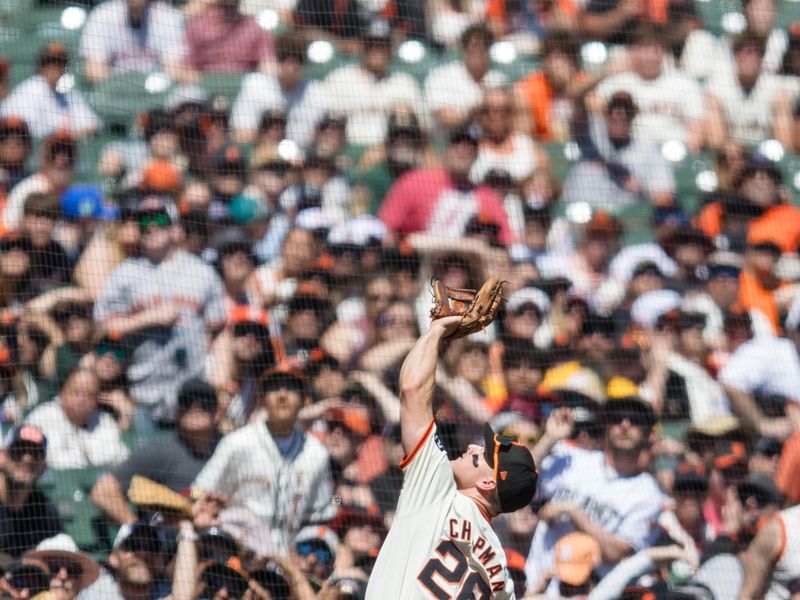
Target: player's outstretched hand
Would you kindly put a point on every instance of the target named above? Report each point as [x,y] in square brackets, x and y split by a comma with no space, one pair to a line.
[449,325]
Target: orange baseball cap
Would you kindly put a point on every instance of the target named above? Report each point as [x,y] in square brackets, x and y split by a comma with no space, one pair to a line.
[161,176]
[577,554]
[357,421]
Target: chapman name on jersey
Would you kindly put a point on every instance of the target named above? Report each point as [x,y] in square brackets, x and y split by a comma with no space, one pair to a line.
[441,545]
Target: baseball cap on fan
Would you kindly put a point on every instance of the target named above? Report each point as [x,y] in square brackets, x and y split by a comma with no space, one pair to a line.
[514,470]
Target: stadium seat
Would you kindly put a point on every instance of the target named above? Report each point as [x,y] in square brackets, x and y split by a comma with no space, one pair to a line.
[69,490]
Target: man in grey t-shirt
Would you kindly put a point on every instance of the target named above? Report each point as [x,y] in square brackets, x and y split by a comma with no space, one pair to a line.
[165,304]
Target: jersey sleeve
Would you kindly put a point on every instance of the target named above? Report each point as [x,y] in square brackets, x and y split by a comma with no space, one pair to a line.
[640,526]
[427,475]
[215,476]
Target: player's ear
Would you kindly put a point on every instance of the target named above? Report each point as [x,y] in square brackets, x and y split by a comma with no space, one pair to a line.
[486,485]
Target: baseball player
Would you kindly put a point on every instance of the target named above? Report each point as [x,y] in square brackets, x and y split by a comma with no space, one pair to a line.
[441,544]
[772,561]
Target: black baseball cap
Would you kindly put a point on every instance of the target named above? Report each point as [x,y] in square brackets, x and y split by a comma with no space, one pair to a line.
[637,410]
[514,470]
[197,393]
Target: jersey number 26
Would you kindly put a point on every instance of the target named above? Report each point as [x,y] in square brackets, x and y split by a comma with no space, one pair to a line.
[471,585]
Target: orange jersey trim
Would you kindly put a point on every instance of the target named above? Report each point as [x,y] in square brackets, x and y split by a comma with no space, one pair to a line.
[782,525]
[410,456]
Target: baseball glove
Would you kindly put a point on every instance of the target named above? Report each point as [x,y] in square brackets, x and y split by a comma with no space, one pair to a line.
[477,309]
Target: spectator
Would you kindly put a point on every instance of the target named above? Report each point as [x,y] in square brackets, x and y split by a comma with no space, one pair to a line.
[747,104]
[47,262]
[139,36]
[28,517]
[773,367]
[56,169]
[618,513]
[315,551]
[612,21]
[405,149]
[135,565]
[15,147]
[166,302]
[442,200]
[45,105]
[172,461]
[670,103]
[542,105]
[455,89]
[223,40]
[366,92]
[617,166]
[78,433]
[500,149]
[71,571]
[273,456]
[301,99]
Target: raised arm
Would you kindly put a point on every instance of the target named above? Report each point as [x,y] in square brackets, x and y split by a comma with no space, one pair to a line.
[418,381]
[759,560]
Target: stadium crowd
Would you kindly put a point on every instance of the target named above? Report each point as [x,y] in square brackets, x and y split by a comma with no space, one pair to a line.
[200,342]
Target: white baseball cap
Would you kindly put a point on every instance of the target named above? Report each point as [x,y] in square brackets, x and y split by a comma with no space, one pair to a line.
[648,307]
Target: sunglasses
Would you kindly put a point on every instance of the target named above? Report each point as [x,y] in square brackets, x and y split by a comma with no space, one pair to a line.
[18,452]
[159,220]
[378,298]
[117,353]
[635,418]
[322,553]
[528,440]
[74,570]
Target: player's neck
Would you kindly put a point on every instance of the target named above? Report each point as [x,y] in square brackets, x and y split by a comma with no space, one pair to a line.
[625,463]
[483,506]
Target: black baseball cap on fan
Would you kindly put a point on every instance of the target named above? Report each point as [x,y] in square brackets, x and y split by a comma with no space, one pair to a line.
[514,470]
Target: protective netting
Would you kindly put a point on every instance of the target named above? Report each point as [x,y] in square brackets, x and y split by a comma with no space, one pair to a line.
[219,223]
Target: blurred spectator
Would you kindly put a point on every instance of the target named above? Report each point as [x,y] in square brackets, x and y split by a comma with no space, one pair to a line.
[133,162]
[453,90]
[109,246]
[314,551]
[405,149]
[543,106]
[15,147]
[691,47]
[172,461]
[223,40]
[301,99]
[366,92]
[617,168]
[271,467]
[166,302]
[48,106]
[613,21]
[78,433]
[773,367]
[745,103]
[45,262]
[323,19]
[139,36]
[670,104]
[762,19]
[56,168]
[26,515]
[449,20]
[500,148]
[617,506]
[71,571]
[442,200]
[530,22]
[135,565]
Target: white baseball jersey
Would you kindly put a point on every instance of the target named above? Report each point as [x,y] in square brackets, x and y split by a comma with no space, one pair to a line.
[441,545]
[749,115]
[628,507]
[667,104]
[285,492]
[787,567]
